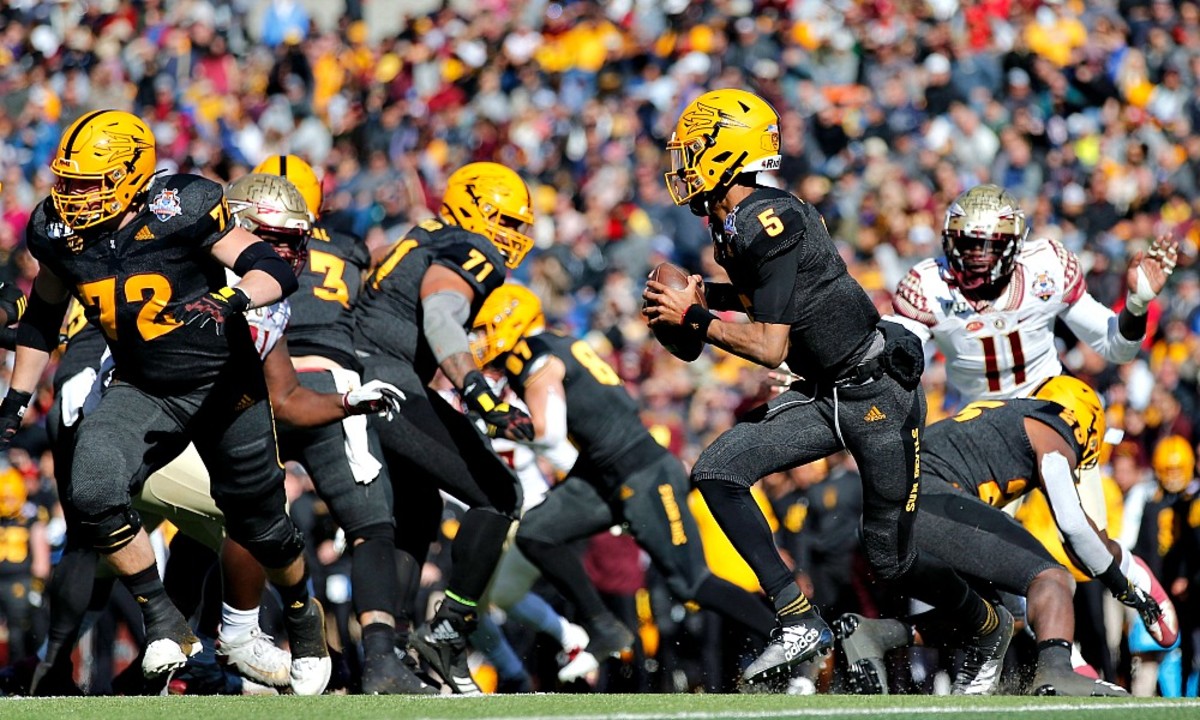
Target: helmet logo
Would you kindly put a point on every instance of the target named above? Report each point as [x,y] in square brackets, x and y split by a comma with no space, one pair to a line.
[166,205]
[1043,287]
[707,117]
[116,145]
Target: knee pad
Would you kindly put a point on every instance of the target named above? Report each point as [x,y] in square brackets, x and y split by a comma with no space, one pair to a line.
[111,531]
[274,543]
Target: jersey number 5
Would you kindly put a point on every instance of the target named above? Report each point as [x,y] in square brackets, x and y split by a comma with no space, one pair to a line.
[770,222]
[102,295]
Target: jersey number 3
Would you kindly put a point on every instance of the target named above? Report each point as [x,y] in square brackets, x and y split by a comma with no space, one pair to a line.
[150,288]
[333,287]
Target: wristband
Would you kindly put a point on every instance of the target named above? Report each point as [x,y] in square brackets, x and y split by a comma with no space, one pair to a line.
[477,394]
[696,321]
[1114,579]
[14,403]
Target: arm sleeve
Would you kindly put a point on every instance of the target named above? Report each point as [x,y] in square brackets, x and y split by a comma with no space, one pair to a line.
[722,296]
[446,314]
[774,297]
[1097,326]
[1072,521]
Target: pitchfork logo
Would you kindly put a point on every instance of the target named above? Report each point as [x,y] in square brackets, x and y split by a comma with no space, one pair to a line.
[707,117]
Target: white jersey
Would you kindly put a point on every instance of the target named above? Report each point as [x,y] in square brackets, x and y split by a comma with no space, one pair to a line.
[1004,348]
[268,323]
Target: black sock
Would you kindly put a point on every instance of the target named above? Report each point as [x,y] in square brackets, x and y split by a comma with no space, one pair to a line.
[1055,652]
[378,639]
[70,592]
[147,589]
[736,604]
[560,564]
[476,550]
[744,524]
[792,606]
[295,597]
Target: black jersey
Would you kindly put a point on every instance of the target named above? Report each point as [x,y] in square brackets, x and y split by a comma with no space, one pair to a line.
[985,450]
[329,287]
[83,347]
[388,317]
[602,419]
[785,267]
[15,531]
[130,280]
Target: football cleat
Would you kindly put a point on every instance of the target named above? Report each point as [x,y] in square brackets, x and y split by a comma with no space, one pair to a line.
[311,667]
[443,644]
[865,642]
[983,658]
[1068,683]
[575,660]
[790,645]
[254,655]
[608,637]
[169,644]
[388,675]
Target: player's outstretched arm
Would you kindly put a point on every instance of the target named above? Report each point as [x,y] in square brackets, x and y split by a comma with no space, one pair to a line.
[266,278]
[37,336]
[298,406]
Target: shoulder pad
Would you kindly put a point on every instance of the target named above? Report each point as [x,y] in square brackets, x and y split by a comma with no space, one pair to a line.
[910,300]
[767,223]
[183,201]
[453,245]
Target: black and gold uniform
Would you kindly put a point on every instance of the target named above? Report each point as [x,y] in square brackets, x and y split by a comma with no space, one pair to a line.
[430,445]
[173,382]
[329,287]
[18,516]
[622,475]
[973,464]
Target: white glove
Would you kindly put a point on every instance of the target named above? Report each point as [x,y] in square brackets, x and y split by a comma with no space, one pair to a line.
[375,396]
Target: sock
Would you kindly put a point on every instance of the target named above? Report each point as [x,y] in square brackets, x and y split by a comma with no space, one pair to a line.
[476,550]
[737,605]
[295,598]
[147,589]
[792,606]
[69,591]
[235,623]
[489,640]
[1055,653]
[534,612]
[378,639]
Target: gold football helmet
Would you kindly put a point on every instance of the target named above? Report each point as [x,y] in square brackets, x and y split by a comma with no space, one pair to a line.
[1082,410]
[298,173]
[984,231]
[103,161]
[720,135]
[491,200]
[509,314]
[12,492]
[1174,463]
[273,209]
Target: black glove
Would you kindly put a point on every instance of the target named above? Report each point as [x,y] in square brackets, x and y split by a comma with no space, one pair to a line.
[503,420]
[1146,606]
[12,302]
[215,307]
[12,409]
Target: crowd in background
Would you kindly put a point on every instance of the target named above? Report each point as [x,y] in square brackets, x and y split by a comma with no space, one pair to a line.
[889,108]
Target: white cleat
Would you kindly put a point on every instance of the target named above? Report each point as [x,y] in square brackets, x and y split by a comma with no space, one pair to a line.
[576,660]
[310,675]
[254,655]
[165,655]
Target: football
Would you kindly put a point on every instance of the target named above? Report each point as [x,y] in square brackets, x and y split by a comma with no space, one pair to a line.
[672,338]
[1166,631]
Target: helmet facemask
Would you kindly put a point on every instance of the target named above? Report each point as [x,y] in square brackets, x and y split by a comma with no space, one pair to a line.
[274,210]
[984,232]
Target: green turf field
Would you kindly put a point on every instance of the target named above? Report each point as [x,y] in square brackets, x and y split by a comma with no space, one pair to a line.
[582,707]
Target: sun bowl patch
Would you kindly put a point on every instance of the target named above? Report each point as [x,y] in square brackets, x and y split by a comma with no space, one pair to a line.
[1043,287]
[165,205]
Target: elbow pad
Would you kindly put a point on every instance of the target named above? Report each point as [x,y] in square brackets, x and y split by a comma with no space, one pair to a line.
[39,326]
[262,257]
[446,314]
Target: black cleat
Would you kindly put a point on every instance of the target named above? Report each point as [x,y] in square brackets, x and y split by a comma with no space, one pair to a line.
[790,645]
[387,675]
[983,658]
[1068,683]
[608,637]
[443,644]
[865,642]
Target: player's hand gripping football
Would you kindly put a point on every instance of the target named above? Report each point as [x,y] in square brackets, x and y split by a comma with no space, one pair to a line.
[1134,597]
[1148,272]
[214,309]
[375,396]
[502,420]
[666,305]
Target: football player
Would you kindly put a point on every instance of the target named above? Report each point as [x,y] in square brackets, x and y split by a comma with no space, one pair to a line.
[995,452]
[146,255]
[861,390]
[411,320]
[343,459]
[24,559]
[622,474]
[989,304]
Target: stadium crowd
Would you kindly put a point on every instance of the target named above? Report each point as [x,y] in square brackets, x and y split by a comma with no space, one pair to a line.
[1087,112]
